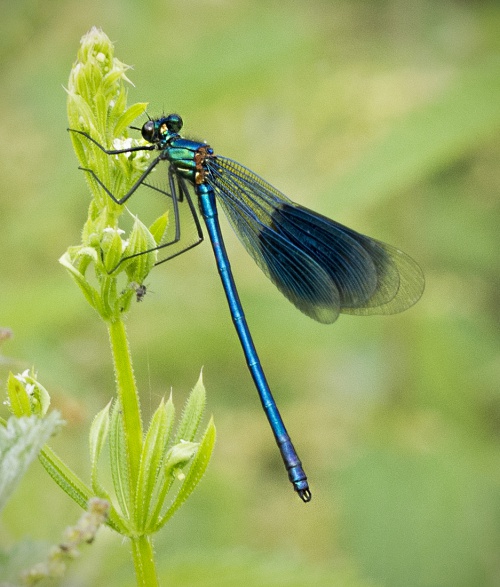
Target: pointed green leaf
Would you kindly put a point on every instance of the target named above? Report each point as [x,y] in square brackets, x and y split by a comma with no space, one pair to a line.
[97,439]
[19,401]
[89,292]
[140,240]
[152,454]
[40,398]
[192,414]
[194,475]
[113,249]
[159,227]
[118,460]
[25,386]
[128,117]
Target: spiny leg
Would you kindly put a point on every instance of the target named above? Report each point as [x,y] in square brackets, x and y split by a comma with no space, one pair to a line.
[112,151]
[177,195]
[132,190]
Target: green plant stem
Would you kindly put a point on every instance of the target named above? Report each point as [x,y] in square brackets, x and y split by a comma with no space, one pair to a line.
[142,551]
[142,548]
[129,400]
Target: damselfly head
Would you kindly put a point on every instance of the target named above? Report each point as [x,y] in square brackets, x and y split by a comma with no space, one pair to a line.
[174,123]
[161,129]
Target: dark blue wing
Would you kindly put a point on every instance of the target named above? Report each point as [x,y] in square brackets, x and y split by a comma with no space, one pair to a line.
[321,266]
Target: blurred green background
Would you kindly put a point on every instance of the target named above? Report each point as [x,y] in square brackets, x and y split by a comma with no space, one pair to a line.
[382,115]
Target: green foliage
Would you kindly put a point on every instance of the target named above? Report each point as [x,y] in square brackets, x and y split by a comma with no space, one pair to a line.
[164,458]
[26,395]
[97,105]
[144,468]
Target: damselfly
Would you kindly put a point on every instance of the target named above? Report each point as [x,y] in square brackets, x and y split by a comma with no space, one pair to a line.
[322,267]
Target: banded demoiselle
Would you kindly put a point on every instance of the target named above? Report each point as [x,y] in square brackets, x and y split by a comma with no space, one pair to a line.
[321,266]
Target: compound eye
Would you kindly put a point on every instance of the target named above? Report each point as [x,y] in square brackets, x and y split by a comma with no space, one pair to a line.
[148,131]
[174,123]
